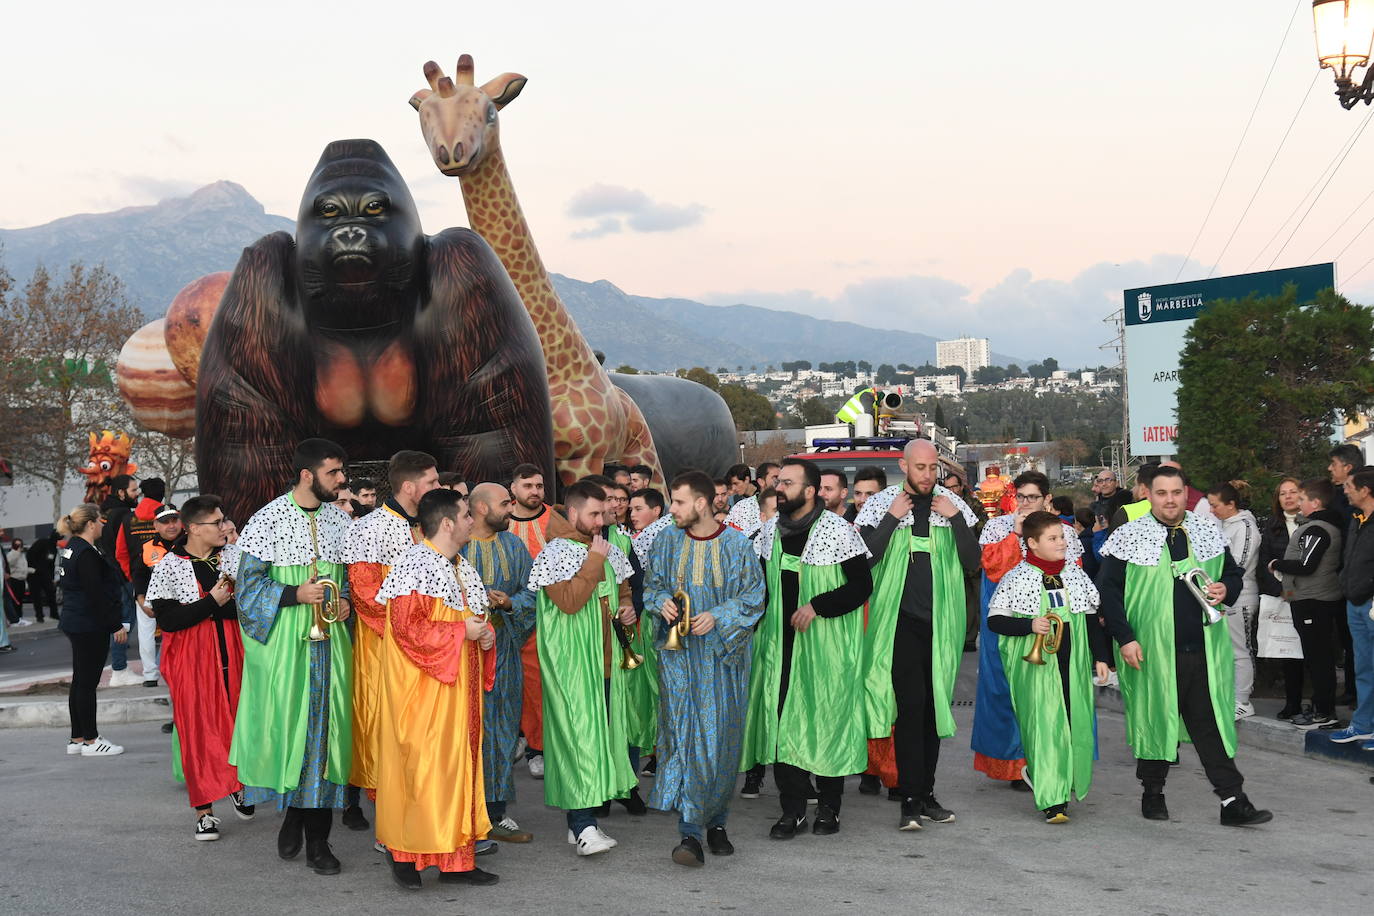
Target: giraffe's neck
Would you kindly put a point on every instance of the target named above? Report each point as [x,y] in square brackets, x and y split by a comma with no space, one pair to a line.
[494,213]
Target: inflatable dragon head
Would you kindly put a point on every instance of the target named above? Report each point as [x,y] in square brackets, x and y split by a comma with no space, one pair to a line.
[108,459]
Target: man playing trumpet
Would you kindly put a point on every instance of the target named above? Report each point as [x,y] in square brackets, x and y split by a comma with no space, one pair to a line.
[293,732]
[1049,673]
[704,685]
[1177,674]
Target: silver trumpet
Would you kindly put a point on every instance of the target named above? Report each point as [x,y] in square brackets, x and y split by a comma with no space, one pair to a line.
[1197,581]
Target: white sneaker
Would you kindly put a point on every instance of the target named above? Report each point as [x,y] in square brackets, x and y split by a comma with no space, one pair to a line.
[100,748]
[1244,710]
[22,622]
[611,840]
[591,841]
[379,846]
[74,747]
[125,677]
[536,765]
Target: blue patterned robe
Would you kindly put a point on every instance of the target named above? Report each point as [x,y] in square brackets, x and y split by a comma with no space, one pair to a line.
[504,563]
[704,688]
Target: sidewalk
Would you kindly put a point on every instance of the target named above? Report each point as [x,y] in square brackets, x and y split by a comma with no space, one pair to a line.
[42,701]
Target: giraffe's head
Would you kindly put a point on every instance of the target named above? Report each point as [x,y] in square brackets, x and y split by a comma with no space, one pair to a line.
[458,119]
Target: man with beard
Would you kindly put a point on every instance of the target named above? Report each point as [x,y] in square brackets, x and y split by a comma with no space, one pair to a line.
[721,504]
[705,684]
[583,583]
[370,547]
[805,702]
[504,565]
[436,661]
[1176,673]
[921,537]
[293,738]
[535,524]
[202,659]
[834,492]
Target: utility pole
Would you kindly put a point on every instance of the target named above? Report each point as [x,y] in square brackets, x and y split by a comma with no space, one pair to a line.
[1116,321]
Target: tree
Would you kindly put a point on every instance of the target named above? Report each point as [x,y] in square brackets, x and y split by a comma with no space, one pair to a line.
[886,375]
[1051,364]
[62,341]
[1014,371]
[939,415]
[814,412]
[1071,451]
[1038,371]
[701,377]
[625,369]
[865,366]
[749,409]
[989,375]
[903,367]
[1262,381]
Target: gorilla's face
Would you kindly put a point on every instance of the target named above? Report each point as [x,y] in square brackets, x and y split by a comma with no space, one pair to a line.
[359,250]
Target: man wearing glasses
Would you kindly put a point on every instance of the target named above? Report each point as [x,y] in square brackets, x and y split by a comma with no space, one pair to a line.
[1109,495]
[202,659]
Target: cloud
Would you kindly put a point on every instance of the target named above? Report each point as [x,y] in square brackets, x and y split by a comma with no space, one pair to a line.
[152,187]
[1021,314]
[616,208]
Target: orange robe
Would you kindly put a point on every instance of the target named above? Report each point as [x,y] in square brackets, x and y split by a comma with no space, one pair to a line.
[431,802]
[535,533]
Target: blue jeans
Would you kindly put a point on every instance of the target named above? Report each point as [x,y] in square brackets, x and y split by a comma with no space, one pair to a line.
[1362,640]
[696,830]
[4,632]
[579,819]
[119,651]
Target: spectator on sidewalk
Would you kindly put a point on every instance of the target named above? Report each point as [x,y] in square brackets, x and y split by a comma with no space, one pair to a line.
[1357,583]
[13,612]
[167,535]
[1310,571]
[1275,534]
[1230,503]
[135,530]
[1345,460]
[5,645]
[18,580]
[92,599]
[42,557]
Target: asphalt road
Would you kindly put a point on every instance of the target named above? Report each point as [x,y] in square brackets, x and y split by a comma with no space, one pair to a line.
[115,836]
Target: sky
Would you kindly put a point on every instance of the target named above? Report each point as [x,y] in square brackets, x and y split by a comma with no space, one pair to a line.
[1001,169]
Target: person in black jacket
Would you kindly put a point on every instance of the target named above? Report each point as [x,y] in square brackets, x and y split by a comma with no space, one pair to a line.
[1357,582]
[42,557]
[1275,532]
[91,611]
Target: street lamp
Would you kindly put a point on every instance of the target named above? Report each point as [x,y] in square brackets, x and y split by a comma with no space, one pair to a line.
[1345,36]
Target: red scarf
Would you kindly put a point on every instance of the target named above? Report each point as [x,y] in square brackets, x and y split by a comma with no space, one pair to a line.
[1048,567]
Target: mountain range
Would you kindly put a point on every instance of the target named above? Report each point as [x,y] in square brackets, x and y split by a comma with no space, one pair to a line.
[158,249]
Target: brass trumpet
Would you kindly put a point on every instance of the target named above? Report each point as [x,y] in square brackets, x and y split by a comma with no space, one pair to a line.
[1197,581]
[629,658]
[326,611]
[1046,643]
[678,632]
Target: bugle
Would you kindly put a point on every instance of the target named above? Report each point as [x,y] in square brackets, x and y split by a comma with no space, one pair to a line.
[326,611]
[1197,581]
[1046,643]
[678,631]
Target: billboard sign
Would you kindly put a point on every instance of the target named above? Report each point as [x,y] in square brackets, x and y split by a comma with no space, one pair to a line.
[1158,317]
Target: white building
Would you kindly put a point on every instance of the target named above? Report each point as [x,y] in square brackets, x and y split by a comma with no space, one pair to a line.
[972,353]
[936,384]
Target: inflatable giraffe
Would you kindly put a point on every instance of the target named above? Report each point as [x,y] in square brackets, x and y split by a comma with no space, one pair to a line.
[593,420]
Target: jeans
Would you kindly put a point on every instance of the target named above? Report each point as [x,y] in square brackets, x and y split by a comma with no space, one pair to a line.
[698,831]
[4,633]
[119,652]
[579,819]
[1362,643]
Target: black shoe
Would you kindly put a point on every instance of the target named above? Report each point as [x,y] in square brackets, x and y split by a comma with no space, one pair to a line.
[245,812]
[688,852]
[1240,813]
[895,794]
[1152,807]
[650,767]
[911,815]
[633,803]
[1288,712]
[1019,785]
[321,858]
[932,810]
[1057,814]
[406,875]
[291,836]
[826,823]
[718,842]
[166,728]
[869,784]
[6,648]
[207,827]
[752,784]
[354,819]
[476,877]
[787,827]
[970,647]
[152,683]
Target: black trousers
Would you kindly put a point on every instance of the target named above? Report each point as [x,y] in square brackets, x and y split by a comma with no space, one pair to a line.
[794,785]
[89,651]
[1315,622]
[1195,707]
[915,743]
[44,594]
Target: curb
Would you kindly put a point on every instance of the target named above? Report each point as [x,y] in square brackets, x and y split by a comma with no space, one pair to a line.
[1272,735]
[54,713]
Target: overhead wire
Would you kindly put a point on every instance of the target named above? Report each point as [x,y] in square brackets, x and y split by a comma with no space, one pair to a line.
[1283,140]
[1241,142]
